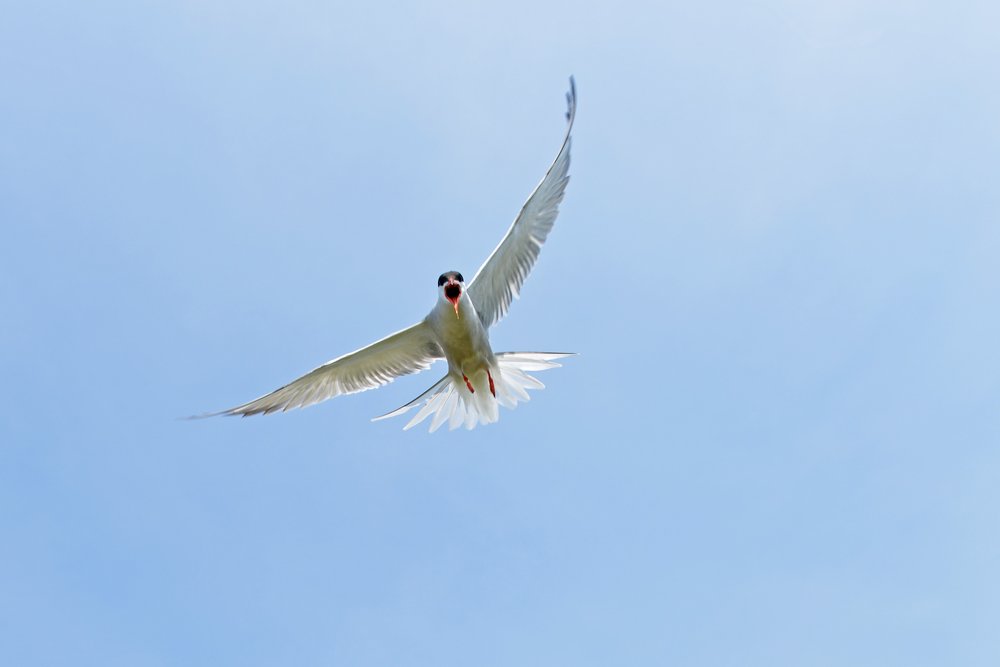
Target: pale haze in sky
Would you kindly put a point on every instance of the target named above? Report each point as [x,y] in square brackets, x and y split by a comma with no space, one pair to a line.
[777,259]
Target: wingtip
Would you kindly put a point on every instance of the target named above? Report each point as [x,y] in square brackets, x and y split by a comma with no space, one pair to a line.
[232,412]
[571,99]
[204,415]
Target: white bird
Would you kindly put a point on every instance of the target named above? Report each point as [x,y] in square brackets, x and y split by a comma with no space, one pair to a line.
[478,380]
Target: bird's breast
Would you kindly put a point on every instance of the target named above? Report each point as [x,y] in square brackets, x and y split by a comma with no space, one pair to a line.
[463,338]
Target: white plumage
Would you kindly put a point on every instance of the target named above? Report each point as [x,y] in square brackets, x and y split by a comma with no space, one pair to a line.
[478,380]
[448,401]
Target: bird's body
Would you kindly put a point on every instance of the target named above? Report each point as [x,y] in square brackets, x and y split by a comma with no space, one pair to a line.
[465,344]
[478,380]
[464,340]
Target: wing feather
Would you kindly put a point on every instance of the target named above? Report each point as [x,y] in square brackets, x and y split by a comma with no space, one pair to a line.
[499,279]
[408,351]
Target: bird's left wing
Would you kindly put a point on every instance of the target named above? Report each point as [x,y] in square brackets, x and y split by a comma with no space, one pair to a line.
[500,277]
[408,351]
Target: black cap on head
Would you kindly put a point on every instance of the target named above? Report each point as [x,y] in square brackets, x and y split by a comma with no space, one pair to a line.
[450,275]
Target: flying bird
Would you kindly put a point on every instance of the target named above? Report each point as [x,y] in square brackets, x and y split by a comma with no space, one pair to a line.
[478,380]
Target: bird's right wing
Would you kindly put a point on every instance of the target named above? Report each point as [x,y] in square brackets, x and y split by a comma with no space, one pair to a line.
[408,351]
[500,277]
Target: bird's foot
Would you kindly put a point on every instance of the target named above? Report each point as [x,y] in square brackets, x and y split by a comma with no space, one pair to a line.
[493,389]
[469,384]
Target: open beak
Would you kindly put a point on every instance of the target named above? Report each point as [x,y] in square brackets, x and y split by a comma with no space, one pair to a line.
[453,292]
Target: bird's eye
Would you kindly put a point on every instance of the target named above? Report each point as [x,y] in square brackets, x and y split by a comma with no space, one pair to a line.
[459,278]
[442,280]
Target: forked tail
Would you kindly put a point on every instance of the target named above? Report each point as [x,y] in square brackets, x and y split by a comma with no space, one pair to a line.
[451,400]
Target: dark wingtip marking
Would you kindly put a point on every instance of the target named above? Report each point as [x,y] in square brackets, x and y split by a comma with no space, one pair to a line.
[571,98]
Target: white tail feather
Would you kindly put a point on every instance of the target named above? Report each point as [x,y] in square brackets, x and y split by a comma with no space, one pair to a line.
[450,400]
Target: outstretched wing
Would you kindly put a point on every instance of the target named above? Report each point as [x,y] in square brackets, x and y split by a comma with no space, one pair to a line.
[408,351]
[499,279]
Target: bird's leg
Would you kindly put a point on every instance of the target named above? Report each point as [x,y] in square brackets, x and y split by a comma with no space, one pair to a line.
[493,389]
[469,384]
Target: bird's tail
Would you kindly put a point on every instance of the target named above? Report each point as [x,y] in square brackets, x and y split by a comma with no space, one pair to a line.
[450,399]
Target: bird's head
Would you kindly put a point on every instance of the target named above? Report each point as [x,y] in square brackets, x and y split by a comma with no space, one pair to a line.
[452,286]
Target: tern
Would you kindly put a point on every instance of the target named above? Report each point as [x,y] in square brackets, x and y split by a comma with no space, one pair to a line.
[478,380]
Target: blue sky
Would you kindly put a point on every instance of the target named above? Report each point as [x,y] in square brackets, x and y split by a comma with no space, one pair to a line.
[777,257]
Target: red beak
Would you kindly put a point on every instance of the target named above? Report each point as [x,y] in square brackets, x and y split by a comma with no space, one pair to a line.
[453,292]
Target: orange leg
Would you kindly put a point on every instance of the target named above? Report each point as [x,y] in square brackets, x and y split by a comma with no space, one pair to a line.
[469,384]
[493,390]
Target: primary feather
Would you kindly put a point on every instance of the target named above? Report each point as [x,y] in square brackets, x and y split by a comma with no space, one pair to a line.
[408,351]
[501,276]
